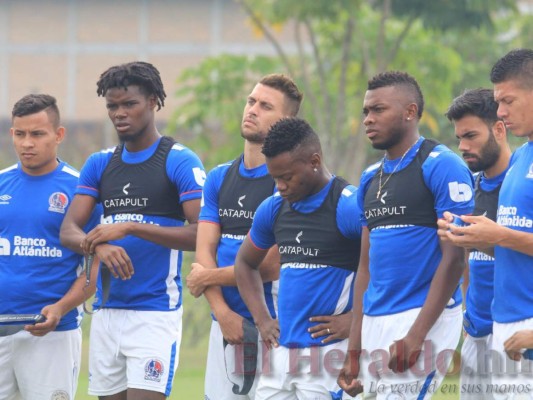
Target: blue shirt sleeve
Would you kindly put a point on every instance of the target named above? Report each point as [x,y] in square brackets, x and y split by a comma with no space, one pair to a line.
[349,213]
[364,182]
[186,171]
[91,173]
[262,230]
[213,183]
[450,181]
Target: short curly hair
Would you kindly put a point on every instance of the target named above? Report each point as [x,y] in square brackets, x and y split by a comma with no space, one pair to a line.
[288,134]
[138,73]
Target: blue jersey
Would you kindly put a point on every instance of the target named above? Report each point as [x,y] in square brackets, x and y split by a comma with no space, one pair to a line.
[307,290]
[513,271]
[35,269]
[403,258]
[480,292]
[156,283]
[229,245]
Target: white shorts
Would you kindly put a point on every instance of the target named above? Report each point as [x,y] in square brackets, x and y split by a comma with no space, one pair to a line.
[40,368]
[305,374]
[510,379]
[476,361]
[225,368]
[133,349]
[422,379]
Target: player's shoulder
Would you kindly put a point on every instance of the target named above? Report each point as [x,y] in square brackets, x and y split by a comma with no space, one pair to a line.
[349,191]
[68,170]
[441,152]
[221,169]
[9,170]
[179,150]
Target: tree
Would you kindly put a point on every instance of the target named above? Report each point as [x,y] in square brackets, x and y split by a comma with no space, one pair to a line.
[340,45]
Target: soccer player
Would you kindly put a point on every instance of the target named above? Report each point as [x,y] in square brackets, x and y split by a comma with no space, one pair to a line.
[483,144]
[510,239]
[149,186]
[407,298]
[312,221]
[231,195]
[37,274]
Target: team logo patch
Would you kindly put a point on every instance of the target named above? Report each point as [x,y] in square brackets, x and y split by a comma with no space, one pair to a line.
[530,173]
[58,202]
[4,199]
[153,370]
[60,395]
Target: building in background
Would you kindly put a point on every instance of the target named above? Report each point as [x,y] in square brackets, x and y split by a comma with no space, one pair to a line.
[61,47]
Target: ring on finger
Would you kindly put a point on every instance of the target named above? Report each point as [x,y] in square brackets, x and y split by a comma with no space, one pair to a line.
[329,331]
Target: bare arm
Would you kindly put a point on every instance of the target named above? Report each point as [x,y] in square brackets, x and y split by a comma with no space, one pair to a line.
[205,259]
[250,286]
[79,212]
[350,371]
[180,238]
[483,234]
[202,277]
[403,352]
[75,296]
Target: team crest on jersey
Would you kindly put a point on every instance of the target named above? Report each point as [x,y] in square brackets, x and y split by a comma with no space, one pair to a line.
[58,202]
[530,173]
[60,395]
[153,370]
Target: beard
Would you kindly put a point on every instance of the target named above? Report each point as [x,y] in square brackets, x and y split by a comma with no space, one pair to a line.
[488,155]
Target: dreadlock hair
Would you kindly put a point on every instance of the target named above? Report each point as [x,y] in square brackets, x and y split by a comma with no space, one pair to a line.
[34,103]
[477,102]
[287,135]
[517,64]
[285,85]
[397,78]
[138,73]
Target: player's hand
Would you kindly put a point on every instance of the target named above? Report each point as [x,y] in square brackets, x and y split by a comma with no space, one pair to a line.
[347,379]
[231,326]
[53,314]
[481,233]
[269,330]
[443,225]
[104,233]
[195,279]
[404,353]
[516,343]
[333,327]
[116,260]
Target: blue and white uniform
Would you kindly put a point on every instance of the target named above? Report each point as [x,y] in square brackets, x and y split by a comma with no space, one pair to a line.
[405,253]
[512,308]
[36,271]
[146,187]
[477,321]
[308,289]
[229,200]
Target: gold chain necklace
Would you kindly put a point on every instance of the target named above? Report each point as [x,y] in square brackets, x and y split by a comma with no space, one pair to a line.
[380,186]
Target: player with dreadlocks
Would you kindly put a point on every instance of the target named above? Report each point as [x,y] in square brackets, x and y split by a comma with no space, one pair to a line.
[149,186]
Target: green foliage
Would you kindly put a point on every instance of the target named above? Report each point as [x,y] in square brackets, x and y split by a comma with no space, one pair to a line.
[462,15]
[214,94]
[339,46]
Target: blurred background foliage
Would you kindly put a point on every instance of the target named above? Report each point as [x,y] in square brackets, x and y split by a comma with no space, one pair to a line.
[448,46]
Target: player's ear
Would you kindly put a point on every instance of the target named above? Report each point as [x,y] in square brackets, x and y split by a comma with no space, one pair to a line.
[60,134]
[499,130]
